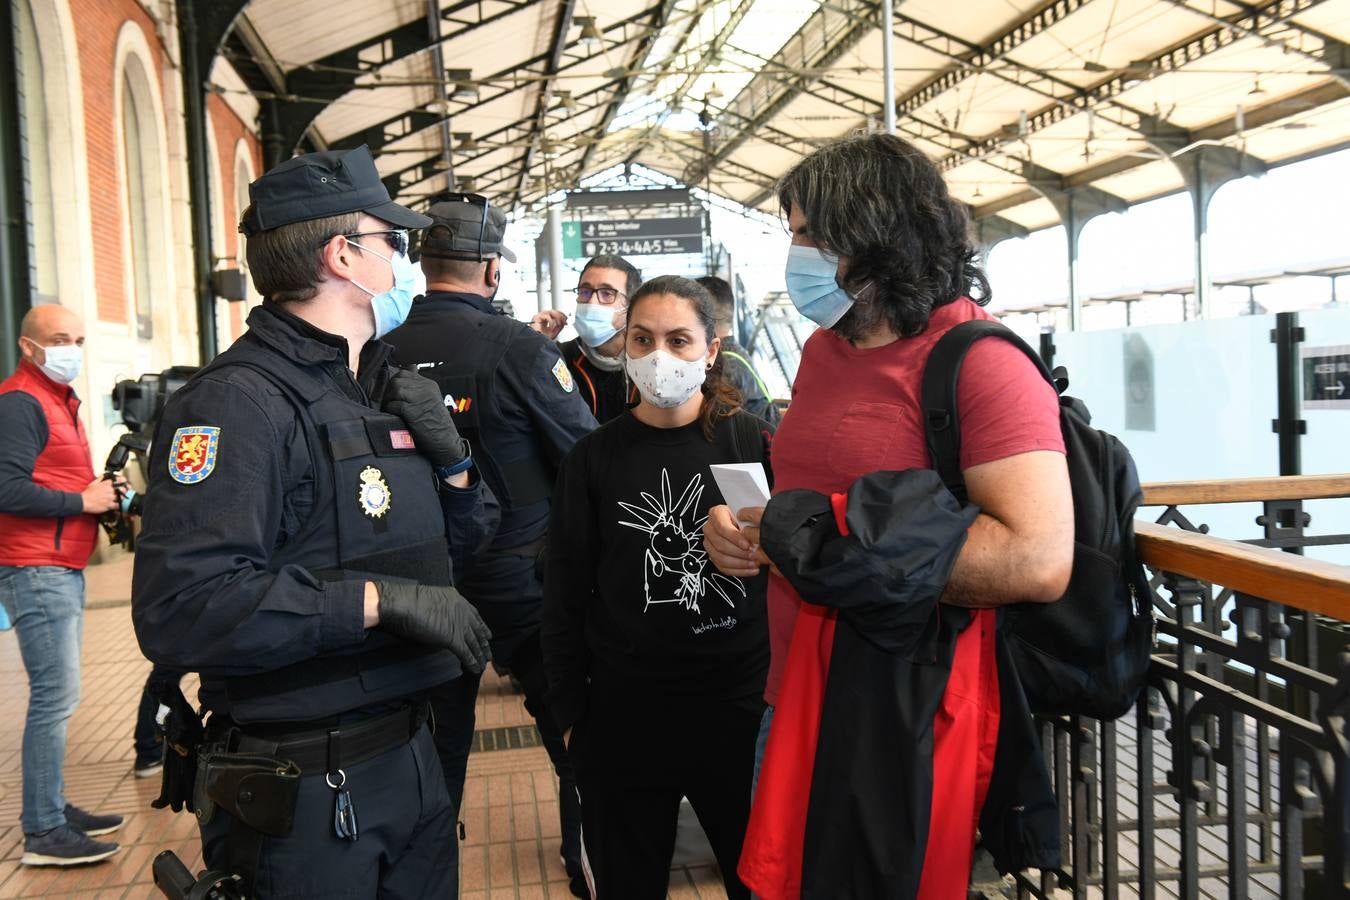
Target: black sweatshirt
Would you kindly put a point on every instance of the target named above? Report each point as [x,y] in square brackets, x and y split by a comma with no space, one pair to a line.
[631,599]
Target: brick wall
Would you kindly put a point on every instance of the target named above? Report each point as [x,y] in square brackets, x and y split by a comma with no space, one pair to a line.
[97,24]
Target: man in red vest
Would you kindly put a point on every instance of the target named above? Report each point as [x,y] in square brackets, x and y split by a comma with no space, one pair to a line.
[49,507]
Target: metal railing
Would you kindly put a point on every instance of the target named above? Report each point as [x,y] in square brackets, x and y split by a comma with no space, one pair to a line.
[1229,778]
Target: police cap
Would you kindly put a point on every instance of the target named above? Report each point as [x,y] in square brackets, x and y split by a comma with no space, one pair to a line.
[318,185]
[465,226]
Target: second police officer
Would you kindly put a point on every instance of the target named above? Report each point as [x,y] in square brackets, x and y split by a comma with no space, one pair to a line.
[514,399]
[304,504]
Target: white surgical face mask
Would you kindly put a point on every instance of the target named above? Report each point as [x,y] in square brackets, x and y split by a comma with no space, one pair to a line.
[64,362]
[664,380]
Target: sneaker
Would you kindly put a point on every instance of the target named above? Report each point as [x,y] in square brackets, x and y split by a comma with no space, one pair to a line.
[91,824]
[64,846]
[148,768]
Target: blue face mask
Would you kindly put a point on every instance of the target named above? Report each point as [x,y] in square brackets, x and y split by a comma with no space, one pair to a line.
[391,307]
[812,286]
[595,323]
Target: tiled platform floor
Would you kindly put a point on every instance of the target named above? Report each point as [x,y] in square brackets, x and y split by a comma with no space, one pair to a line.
[510,813]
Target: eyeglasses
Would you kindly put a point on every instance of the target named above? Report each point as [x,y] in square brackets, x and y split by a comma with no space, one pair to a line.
[396,238]
[604,295]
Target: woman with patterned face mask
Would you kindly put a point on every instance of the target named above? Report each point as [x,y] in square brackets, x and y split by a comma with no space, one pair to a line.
[654,658]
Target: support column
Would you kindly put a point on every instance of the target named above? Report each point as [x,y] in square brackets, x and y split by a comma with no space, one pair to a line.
[16,276]
[887,63]
[555,256]
[199,185]
[992,229]
[1205,170]
[1076,207]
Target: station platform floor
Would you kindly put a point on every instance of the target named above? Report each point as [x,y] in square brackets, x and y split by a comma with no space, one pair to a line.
[510,802]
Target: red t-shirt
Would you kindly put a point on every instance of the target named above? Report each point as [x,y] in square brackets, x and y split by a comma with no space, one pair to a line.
[859,411]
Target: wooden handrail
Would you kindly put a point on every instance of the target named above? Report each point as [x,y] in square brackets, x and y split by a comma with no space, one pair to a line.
[1246,490]
[1308,584]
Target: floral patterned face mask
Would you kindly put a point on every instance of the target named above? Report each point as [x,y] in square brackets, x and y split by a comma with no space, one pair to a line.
[664,380]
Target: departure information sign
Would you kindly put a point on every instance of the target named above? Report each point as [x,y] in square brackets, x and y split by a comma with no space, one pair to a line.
[632,237]
[1326,377]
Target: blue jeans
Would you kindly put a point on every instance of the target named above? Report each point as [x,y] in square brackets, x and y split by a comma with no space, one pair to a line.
[46,605]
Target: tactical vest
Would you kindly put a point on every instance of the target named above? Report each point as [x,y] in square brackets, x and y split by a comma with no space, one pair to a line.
[470,347]
[376,515]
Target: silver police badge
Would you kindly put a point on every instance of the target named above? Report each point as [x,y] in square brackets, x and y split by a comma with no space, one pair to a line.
[374,493]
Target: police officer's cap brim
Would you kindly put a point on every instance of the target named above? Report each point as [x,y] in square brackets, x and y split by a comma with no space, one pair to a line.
[399,216]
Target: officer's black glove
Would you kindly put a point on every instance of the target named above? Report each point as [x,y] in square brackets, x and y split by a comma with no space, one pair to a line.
[439,616]
[418,402]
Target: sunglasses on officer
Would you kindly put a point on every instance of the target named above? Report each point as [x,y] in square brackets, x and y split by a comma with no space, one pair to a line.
[397,238]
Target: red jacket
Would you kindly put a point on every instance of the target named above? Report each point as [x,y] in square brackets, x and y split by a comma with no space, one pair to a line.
[63,465]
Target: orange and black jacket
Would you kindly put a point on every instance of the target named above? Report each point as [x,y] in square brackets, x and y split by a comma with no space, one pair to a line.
[607,394]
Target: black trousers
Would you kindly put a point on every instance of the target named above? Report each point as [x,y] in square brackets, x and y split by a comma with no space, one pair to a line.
[406,828]
[636,757]
[507,592]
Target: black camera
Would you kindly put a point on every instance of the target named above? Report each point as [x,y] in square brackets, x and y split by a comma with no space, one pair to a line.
[141,402]
[117,522]
[175,881]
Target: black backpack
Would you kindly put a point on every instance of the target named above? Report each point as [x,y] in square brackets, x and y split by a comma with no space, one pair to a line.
[1087,653]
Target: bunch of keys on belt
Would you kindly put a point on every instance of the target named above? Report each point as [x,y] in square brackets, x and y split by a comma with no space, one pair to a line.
[344,811]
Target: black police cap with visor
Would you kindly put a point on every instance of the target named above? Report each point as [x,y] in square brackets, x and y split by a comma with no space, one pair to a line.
[318,185]
[465,226]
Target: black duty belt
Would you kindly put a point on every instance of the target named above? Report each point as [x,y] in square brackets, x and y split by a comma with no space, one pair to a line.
[310,749]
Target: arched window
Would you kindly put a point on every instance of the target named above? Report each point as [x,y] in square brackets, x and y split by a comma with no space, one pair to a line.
[38,163]
[135,124]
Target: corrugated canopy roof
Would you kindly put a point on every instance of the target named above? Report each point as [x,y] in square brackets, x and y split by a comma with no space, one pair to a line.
[1017,100]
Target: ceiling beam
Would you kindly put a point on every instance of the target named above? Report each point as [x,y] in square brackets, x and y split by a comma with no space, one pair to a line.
[311,87]
[564,25]
[830,32]
[1173,59]
[404,124]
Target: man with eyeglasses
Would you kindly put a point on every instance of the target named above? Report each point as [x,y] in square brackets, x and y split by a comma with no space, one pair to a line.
[595,356]
[306,499]
[511,396]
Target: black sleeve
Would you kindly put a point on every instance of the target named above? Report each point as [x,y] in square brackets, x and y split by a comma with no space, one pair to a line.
[472,515]
[557,410]
[203,598]
[905,530]
[569,586]
[21,441]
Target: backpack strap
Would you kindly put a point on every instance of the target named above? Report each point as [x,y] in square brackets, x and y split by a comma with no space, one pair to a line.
[942,423]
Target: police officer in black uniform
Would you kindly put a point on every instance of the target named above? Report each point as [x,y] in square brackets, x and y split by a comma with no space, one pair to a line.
[514,399]
[595,356]
[305,500]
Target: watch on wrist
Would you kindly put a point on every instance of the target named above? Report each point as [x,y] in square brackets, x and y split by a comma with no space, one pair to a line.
[450,471]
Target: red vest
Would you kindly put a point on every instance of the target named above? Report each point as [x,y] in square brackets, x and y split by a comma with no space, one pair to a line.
[63,465]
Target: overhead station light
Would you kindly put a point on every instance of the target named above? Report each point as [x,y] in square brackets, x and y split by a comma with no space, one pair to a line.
[590,34]
[467,185]
[461,83]
[566,101]
[464,140]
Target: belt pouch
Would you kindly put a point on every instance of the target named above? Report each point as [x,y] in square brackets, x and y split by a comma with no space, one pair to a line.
[260,791]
